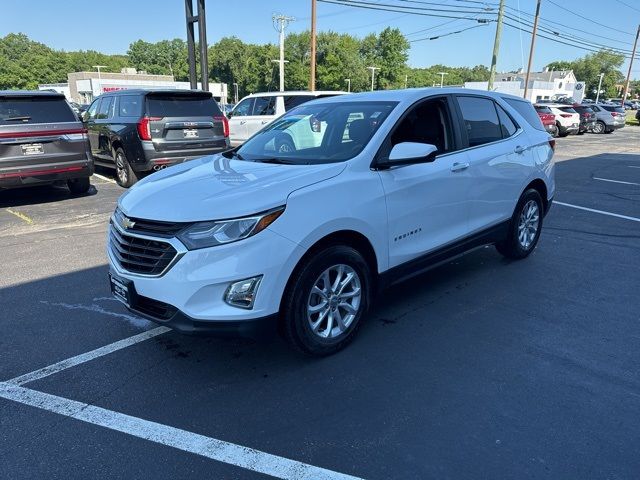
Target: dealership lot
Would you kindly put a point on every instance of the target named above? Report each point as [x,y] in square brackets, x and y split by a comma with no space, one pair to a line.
[481,368]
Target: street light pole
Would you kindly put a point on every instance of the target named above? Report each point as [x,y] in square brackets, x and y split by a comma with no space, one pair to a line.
[282,21]
[348,80]
[312,79]
[235,88]
[373,76]
[98,67]
[599,86]
[442,74]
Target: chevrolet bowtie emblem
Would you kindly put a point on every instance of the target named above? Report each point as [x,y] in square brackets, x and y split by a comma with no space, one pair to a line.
[127,223]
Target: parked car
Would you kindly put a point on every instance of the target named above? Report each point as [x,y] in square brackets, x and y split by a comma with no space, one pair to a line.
[304,239]
[567,119]
[42,142]
[608,118]
[587,118]
[638,115]
[141,131]
[548,119]
[255,111]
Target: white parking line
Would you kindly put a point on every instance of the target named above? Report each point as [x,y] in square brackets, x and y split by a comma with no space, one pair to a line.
[633,166]
[615,181]
[110,180]
[85,357]
[133,319]
[183,440]
[602,212]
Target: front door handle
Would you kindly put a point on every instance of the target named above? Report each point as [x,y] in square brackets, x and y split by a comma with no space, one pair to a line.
[458,167]
[264,122]
[242,122]
[519,150]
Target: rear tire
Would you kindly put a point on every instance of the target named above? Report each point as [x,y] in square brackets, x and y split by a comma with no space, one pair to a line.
[79,186]
[524,228]
[561,133]
[125,176]
[309,296]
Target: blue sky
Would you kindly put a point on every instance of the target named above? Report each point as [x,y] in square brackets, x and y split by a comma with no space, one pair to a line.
[110,26]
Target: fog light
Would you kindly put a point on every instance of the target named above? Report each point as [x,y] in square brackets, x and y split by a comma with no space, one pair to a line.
[242,294]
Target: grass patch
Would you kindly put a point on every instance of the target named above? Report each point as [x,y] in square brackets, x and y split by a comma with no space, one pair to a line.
[631,117]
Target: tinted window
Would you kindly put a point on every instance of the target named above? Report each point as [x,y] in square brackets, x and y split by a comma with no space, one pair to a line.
[611,108]
[480,119]
[182,106]
[92,112]
[130,106]
[264,106]
[20,110]
[105,106]
[528,113]
[506,124]
[294,100]
[567,109]
[542,109]
[244,108]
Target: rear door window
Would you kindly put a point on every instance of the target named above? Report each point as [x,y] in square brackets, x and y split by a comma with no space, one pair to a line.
[525,109]
[293,101]
[130,106]
[182,106]
[264,106]
[24,110]
[480,120]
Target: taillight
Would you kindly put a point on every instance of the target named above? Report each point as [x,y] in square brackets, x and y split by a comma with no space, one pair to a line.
[614,114]
[144,127]
[225,124]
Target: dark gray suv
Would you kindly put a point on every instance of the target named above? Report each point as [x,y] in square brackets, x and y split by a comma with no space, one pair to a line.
[42,142]
[141,131]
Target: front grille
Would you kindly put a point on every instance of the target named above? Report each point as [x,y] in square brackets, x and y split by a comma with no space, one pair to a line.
[152,228]
[139,255]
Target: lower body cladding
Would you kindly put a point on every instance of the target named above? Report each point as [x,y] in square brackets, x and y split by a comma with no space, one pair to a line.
[191,296]
[44,174]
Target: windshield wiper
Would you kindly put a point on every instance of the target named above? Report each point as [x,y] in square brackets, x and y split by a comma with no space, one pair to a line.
[280,161]
[24,118]
[233,155]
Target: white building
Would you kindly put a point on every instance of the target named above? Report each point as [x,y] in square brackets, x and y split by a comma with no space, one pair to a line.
[546,85]
[83,87]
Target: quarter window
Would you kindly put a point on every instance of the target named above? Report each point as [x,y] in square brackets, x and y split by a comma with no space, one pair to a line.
[480,120]
[525,109]
[93,110]
[294,100]
[507,125]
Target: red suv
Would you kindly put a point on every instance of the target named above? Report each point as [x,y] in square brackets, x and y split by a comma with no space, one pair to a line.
[548,119]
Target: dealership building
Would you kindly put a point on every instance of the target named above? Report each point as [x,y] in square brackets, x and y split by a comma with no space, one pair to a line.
[545,85]
[83,87]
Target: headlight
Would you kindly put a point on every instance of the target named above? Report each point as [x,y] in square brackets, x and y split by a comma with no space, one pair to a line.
[210,234]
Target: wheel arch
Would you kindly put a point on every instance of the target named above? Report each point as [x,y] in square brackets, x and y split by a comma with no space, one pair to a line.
[540,186]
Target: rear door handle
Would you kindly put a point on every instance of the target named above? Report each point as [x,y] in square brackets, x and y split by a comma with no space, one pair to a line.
[264,122]
[519,150]
[458,167]
[242,122]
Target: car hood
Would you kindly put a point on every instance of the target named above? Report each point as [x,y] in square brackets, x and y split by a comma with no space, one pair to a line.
[215,187]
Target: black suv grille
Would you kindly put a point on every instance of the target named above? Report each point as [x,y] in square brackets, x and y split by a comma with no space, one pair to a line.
[138,255]
[152,228]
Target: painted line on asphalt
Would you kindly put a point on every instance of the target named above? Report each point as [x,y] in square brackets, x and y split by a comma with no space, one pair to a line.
[633,166]
[219,450]
[602,212]
[133,319]
[615,181]
[21,216]
[86,357]
[102,177]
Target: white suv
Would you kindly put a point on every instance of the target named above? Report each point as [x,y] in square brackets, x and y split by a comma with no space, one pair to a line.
[567,119]
[304,239]
[257,110]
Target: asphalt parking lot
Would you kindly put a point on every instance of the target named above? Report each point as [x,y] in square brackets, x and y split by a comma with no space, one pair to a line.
[482,368]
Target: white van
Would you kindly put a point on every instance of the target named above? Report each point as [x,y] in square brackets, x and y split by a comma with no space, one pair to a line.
[255,111]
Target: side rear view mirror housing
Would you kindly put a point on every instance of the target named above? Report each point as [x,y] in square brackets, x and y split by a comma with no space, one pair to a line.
[409,153]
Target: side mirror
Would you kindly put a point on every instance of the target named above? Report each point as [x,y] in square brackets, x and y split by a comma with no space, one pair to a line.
[409,153]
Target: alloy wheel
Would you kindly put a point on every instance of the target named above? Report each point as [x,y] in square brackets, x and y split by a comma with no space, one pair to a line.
[528,224]
[121,169]
[334,301]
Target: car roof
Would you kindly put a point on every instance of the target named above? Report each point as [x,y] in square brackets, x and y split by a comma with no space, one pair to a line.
[30,93]
[297,93]
[146,91]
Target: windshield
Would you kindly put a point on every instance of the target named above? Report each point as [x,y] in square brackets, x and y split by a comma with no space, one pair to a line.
[320,133]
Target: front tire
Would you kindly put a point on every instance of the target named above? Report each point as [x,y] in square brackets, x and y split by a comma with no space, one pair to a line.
[524,228]
[599,127]
[326,299]
[125,176]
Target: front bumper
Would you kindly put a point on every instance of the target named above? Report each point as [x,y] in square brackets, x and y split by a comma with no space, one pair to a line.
[193,287]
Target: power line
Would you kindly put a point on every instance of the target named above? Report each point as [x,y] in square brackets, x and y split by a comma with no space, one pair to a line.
[451,33]
[587,18]
[435,27]
[627,5]
[400,9]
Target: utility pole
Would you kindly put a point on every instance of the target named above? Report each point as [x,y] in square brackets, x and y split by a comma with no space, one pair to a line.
[599,87]
[533,43]
[235,91]
[406,81]
[496,47]
[348,80]
[373,76]
[312,78]
[204,54]
[191,44]
[98,67]
[281,21]
[633,54]
[442,74]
